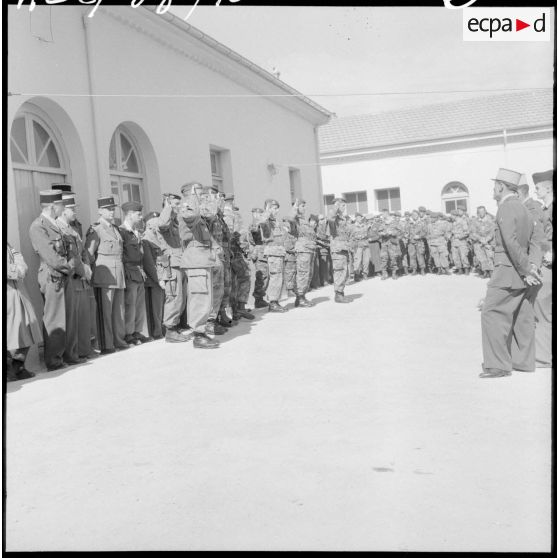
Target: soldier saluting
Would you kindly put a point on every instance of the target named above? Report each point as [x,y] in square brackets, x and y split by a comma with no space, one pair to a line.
[339,233]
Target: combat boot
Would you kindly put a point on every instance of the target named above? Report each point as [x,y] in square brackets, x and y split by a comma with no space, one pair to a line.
[203,341]
[384,275]
[340,297]
[467,271]
[214,328]
[303,301]
[223,319]
[260,303]
[243,312]
[422,271]
[394,274]
[274,306]
[175,336]
[413,271]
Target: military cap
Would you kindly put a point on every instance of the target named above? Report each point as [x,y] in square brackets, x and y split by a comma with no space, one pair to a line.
[422,208]
[543,176]
[61,186]
[105,202]
[509,177]
[151,215]
[50,196]
[172,196]
[69,199]
[131,206]
[210,190]
[313,217]
[397,213]
[257,210]
[270,202]
[229,196]
[187,188]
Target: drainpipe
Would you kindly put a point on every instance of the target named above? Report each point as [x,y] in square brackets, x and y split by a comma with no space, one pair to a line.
[100,169]
[505,135]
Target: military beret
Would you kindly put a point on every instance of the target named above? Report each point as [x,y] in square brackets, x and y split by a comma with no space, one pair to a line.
[62,187]
[229,196]
[105,202]
[422,208]
[151,215]
[69,199]
[172,196]
[543,176]
[257,210]
[132,206]
[271,202]
[50,196]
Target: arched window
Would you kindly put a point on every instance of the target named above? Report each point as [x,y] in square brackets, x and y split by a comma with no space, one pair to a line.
[127,175]
[454,195]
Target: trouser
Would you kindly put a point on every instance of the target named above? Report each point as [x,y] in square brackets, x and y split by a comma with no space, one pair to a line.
[304,272]
[200,297]
[15,360]
[218,288]
[543,320]
[290,271]
[87,330]
[54,321]
[404,254]
[439,253]
[241,278]
[323,266]
[261,279]
[175,298]
[315,281]
[110,316]
[72,301]
[134,308]
[460,251]
[375,258]
[362,259]
[340,261]
[508,329]
[485,256]
[416,255]
[227,284]
[154,299]
[93,316]
[276,266]
[351,263]
[390,252]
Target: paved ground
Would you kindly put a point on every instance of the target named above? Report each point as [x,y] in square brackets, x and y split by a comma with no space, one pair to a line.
[342,427]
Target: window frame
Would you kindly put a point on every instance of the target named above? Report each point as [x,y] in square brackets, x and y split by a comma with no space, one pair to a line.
[390,198]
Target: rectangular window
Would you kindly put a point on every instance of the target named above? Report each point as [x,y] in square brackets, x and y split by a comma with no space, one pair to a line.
[294,182]
[328,200]
[454,204]
[356,201]
[389,199]
[216,170]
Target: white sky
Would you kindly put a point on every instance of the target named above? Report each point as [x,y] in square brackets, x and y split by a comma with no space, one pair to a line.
[322,50]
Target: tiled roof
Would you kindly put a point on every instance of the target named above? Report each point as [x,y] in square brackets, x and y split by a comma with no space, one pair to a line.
[469,117]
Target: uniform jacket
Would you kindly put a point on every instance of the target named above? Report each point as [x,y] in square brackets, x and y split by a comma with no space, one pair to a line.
[460,228]
[169,227]
[105,246]
[438,233]
[391,231]
[48,241]
[132,255]
[75,249]
[548,224]
[339,232]
[273,237]
[515,245]
[156,264]
[360,233]
[482,230]
[535,209]
[304,232]
[254,237]
[417,230]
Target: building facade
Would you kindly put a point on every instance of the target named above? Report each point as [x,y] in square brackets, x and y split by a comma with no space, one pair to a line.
[135,104]
[441,156]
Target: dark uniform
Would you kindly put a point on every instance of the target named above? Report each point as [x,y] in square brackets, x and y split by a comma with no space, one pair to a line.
[55,268]
[324,256]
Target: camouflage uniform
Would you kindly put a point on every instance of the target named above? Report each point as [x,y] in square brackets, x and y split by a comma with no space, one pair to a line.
[359,236]
[375,245]
[290,257]
[218,237]
[390,250]
[255,241]
[339,244]
[417,230]
[459,243]
[274,239]
[438,242]
[482,235]
[305,248]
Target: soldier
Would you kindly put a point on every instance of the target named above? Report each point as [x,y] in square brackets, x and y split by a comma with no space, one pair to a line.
[339,245]
[360,234]
[290,256]
[507,320]
[135,319]
[543,303]
[482,235]
[22,326]
[255,240]
[200,257]
[226,317]
[404,241]
[416,231]
[438,241]
[78,340]
[374,243]
[460,242]
[55,268]
[155,266]
[305,248]
[104,245]
[322,251]
[390,252]
[240,268]
[273,237]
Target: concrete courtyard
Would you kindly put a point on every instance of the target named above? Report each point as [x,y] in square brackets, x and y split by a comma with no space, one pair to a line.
[341,427]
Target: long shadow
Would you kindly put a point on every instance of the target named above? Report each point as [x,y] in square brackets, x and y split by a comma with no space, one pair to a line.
[243,327]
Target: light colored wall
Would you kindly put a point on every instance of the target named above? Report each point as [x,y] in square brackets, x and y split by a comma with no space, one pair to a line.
[422,177]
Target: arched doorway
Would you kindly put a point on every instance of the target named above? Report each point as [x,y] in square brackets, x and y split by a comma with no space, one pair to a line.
[39,159]
[127,171]
[454,195]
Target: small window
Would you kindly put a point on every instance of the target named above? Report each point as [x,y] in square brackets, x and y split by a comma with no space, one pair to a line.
[356,201]
[294,182]
[389,199]
[454,195]
[216,170]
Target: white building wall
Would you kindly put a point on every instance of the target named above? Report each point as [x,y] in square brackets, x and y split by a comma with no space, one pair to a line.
[421,178]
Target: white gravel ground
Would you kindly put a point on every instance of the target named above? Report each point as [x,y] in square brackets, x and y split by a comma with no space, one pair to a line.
[342,427]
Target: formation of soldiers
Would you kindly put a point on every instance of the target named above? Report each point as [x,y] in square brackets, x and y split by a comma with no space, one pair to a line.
[185,272]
